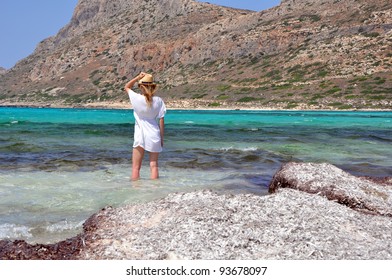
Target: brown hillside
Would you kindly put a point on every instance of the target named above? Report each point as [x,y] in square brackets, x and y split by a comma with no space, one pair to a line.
[326,54]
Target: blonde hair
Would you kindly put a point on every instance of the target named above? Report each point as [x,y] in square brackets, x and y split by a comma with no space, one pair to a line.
[148,91]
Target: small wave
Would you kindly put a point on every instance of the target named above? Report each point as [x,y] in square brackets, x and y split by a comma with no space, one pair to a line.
[64,226]
[245,149]
[13,231]
[246,129]
[13,122]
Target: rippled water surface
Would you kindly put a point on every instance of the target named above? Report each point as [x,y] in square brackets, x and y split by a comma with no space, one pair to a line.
[58,166]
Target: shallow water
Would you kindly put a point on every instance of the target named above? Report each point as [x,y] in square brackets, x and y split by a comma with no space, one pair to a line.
[58,166]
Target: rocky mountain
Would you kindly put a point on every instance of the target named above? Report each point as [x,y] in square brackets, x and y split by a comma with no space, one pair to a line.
[2,70]
[300,54]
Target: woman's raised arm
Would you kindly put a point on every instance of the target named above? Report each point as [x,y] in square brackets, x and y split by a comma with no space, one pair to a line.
[132,82]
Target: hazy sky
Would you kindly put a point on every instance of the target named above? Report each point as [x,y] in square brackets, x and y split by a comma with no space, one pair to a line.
[24,23]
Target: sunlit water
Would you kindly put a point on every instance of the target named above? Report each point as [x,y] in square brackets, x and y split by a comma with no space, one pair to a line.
[59,166]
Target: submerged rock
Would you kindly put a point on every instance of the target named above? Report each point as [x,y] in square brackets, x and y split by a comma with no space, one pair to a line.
[288,224]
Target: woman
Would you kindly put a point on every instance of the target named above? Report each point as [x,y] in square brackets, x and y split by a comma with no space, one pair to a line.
[147,109]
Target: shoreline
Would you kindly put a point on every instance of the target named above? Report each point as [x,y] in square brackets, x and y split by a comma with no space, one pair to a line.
[178,105]
[300,218]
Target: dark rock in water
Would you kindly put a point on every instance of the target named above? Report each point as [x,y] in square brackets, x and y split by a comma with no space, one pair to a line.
[21,250]
[288,224]
[363,194]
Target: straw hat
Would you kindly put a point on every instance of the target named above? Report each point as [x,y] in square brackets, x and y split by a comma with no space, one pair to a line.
[147,80]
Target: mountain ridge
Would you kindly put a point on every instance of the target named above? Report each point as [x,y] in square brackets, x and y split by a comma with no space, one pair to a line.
[303,53]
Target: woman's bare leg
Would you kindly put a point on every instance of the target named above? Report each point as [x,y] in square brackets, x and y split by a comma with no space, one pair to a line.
[154,165]
[137,158]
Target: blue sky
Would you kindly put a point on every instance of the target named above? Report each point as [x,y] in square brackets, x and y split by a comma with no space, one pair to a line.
[24,23]
[255,5]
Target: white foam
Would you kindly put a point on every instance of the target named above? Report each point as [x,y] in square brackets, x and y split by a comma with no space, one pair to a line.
[243,149]
[13,231]
[64,226]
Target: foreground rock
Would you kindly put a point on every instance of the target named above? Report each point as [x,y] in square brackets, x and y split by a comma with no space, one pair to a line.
[333,183]
[289,224]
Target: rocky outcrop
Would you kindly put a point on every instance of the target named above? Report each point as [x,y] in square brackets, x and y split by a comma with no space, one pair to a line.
[304,53]
[333,183]
[2,70]
[288,224]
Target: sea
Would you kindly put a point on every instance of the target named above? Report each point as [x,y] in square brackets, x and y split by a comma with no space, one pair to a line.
[59,166]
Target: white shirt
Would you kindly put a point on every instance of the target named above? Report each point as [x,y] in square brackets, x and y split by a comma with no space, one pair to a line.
[147,133]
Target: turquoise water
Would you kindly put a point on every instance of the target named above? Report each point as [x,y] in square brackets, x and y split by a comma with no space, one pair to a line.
[58,166]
